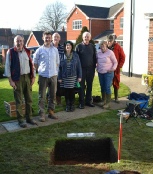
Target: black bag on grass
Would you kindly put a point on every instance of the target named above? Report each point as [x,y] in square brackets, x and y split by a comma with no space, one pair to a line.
[133,110]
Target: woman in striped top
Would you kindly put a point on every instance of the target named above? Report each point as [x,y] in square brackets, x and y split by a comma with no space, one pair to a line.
[69,74]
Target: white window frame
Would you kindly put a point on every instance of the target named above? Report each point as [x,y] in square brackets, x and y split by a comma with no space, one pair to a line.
[77,24]
[112,25]
[121,22]
[120,42]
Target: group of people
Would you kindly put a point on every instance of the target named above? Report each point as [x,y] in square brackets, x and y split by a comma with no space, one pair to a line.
[61,67]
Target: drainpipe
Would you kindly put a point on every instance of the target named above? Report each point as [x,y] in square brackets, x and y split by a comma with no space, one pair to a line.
[90,26]
[131,36]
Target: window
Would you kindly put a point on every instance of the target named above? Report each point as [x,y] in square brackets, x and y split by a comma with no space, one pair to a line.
[120,43]
[77,25]
[121,22]
[112,25]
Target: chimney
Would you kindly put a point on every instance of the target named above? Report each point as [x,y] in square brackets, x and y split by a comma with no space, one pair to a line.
[4,51]
[63,29]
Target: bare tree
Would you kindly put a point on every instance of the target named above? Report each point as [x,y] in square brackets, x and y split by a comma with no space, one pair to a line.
[53,18]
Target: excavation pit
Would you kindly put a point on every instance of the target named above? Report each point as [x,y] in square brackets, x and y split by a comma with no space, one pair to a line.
[83,150]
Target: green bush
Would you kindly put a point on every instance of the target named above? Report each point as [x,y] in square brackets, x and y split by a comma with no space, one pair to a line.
[1,71]
[79,39]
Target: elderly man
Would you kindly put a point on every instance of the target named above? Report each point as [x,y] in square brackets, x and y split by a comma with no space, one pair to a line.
[46,60]
[87,55]
[56,42]
[20,72]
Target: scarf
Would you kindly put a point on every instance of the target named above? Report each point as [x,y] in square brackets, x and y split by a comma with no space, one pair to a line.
[69,57]
[112,47]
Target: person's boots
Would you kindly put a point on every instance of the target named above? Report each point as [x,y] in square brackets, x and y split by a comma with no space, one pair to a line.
[72,107]
[108,100]
[116,95]
[51,114]
[42,117]
[103,94]
[67,109]
[58,100]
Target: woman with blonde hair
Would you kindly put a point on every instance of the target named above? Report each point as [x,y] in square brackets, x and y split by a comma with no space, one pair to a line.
[106,65]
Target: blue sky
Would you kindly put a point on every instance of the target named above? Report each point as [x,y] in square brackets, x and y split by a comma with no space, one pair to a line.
[19,14]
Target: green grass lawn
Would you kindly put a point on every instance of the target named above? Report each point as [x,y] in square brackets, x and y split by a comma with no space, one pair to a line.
[28,151]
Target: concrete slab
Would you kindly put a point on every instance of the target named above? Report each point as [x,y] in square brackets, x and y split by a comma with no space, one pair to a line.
[11,126]
[63,116]
[2,129]
[14,126]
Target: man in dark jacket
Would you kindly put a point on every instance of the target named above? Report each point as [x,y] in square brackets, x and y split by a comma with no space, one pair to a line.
[87,55]
[20,72]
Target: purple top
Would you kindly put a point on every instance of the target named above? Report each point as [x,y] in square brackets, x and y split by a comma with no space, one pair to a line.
[106,62]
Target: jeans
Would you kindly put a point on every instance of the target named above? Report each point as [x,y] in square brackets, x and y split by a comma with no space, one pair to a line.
[105,81]
[51,83]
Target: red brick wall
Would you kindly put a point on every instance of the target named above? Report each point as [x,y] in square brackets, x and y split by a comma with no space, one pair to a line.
[76,15]
[117,30]
[97,26]
[150,49]
[32,42]
[4,51]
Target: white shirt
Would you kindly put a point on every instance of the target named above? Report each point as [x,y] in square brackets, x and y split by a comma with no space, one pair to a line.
[47,60]
[24,63]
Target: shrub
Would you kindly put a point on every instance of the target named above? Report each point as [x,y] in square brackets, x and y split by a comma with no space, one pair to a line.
[79,39]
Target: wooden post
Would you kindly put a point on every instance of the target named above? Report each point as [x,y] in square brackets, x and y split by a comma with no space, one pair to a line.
[120,137]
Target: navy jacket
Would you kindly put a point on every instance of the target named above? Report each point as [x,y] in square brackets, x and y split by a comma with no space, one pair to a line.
[87,55]
[15,64]
[75,67]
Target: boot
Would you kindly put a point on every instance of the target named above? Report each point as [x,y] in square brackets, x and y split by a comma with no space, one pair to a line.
[72,107]
[103,94]
[58,100]
[42,117]
[116,95]
[67,109]
[108,99]
[51,114]
[31,121]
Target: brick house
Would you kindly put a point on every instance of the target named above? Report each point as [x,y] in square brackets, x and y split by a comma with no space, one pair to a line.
[150,47]
[35,38]
[100,21]
[6,37]
[6,41]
